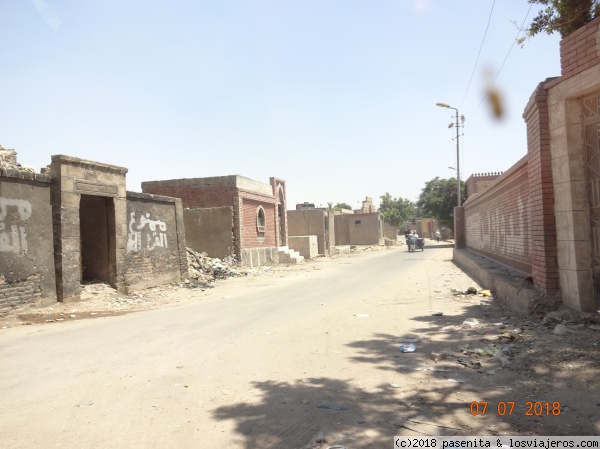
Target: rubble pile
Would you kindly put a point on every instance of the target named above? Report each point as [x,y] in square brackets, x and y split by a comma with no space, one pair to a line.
[204,269]
[8,161]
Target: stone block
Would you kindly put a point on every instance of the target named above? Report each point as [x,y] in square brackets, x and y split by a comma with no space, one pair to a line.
[305,245]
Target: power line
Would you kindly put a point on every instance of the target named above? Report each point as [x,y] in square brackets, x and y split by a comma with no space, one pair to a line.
[478,54]
[505,58]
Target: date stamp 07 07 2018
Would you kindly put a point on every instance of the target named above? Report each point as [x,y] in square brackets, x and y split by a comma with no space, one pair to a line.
[507,408]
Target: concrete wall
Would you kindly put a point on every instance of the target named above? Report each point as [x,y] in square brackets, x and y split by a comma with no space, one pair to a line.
[210,230]
[309,222]
[306,245]
[390,232]
[26,246]
[155,241]
[254,257]
[359,229]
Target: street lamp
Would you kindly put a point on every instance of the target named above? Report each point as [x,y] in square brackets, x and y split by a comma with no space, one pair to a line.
[445,105]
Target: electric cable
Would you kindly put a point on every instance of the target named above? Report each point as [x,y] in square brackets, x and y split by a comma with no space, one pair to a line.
[503,62]
[478,54]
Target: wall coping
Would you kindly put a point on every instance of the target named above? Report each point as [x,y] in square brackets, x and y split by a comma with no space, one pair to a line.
[71,160]
[499,180]
[237,181]
[25,175]
[150,196]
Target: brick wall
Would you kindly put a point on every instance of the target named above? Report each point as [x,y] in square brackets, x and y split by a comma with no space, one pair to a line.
[543,248]
[192,196]
[497,220]
[250,236]
[579,50]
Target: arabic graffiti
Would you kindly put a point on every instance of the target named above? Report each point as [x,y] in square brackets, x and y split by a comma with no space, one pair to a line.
[15,239]
[154,231]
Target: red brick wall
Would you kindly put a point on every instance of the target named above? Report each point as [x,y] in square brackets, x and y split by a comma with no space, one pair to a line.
[497,220]
[193,197]
[541,194]
[250,236]
[578,51]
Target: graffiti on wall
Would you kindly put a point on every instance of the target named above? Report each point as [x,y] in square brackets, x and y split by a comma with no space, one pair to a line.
[500,230]
[152,232]
[14,240]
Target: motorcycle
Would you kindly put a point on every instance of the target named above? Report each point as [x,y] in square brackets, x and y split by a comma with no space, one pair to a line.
[420,244]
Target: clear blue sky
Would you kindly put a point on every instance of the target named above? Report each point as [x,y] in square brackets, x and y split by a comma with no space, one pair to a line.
[337,97]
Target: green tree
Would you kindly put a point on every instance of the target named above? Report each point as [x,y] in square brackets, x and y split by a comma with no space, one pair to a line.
[564,16]
[396,211]
[342,206]
[438,199]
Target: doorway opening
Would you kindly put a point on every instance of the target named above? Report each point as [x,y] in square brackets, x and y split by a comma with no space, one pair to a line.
[97,231]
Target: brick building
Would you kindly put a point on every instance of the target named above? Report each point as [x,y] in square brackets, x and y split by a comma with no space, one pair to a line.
[259,223]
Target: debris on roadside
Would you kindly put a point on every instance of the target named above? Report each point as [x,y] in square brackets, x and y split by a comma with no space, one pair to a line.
[203,269]
[408,348]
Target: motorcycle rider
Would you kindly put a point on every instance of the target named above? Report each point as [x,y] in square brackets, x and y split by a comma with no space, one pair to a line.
[437,235]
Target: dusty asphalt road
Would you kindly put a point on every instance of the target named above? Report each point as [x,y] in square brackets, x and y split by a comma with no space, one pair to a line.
[247,366]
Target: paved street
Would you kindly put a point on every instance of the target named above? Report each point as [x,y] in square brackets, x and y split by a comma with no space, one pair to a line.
[249,365]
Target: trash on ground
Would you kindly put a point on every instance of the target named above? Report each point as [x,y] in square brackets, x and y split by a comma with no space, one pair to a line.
[450,328]
[84,404]
[436,313]
[485,293]
[408,338]
[333,407]
[408,348]
[361,315]
[394,385]
[458,381]
[471,322]
[437,356]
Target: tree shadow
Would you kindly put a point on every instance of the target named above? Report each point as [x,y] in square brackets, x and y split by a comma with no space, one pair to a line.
[441,389]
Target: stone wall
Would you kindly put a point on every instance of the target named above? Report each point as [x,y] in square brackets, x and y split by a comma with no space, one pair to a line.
[156,252]
[26,246]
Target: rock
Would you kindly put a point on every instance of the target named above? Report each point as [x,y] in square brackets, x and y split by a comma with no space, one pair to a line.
[437,356]
[560,329]
[471,291]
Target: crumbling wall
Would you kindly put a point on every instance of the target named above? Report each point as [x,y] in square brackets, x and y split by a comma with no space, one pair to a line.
[26,246]
[210,231]
[156,252]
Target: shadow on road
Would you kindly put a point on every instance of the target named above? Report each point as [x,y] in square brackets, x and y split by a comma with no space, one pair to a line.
[433,389]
